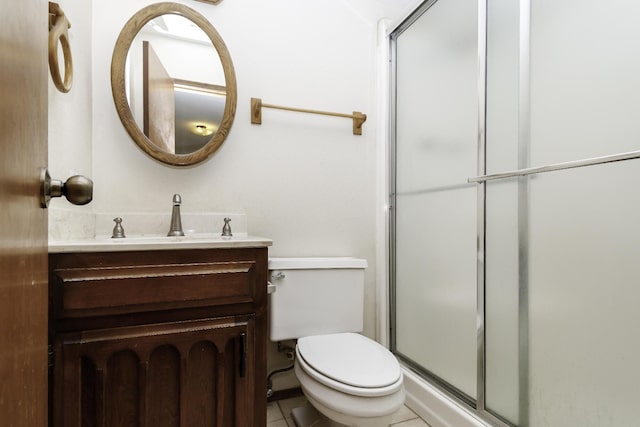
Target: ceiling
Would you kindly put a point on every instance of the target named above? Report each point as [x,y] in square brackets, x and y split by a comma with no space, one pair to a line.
[374,10]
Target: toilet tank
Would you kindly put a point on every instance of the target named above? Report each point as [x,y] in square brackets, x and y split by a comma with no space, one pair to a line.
[313,296]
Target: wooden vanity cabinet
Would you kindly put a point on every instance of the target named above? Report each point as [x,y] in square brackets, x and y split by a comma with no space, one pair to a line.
[158,338]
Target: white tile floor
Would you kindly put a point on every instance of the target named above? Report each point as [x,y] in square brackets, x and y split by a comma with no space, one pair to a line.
[279,414]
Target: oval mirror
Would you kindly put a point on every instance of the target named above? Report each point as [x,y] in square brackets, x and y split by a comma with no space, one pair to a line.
[173,84]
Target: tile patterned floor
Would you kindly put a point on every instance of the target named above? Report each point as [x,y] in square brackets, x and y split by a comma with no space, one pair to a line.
[279,414]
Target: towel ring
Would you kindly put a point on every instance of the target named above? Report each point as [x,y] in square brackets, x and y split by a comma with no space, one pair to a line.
[58,26]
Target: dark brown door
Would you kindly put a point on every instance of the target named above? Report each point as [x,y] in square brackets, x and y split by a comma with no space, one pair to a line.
[23,224]
[159,101]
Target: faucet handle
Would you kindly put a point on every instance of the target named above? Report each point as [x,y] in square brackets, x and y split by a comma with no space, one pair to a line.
[177,200]
[226,229]
[118,231]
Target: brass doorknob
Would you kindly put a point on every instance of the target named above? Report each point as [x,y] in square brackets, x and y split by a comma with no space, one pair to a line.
[77,189]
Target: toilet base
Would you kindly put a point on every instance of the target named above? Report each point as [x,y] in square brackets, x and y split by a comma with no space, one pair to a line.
[308,416]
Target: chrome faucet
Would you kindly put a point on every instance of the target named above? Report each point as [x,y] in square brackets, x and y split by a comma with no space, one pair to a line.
[176,223]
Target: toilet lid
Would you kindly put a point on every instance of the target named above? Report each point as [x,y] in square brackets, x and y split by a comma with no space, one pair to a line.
[351,359]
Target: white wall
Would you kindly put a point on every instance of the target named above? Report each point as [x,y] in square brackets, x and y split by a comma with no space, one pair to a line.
[70,121]
[70,113]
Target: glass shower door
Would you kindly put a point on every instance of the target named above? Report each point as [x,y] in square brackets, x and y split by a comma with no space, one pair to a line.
[435,208]
[563,247]
[519,293]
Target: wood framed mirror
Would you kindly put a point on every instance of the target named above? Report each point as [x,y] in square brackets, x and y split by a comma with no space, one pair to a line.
[173,84]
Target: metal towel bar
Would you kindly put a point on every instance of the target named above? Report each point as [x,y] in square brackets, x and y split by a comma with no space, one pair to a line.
[558,166]
[257,105]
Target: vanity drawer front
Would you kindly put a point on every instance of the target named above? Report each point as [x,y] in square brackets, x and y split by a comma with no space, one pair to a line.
[91,291]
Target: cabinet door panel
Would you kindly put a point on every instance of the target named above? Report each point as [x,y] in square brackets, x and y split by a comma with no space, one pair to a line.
[202,389]
[163,385]
[175,374]
[120,391]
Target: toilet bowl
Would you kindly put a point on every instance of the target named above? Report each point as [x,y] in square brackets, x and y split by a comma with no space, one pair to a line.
[349,379]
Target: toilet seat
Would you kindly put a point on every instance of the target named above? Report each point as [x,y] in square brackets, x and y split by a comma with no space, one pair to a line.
[350,363]
[348,409]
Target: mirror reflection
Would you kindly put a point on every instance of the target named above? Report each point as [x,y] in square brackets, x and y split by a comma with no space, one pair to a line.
[173,84]
[176,86]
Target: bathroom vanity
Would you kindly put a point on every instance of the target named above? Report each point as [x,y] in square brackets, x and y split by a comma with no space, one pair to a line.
[160,332]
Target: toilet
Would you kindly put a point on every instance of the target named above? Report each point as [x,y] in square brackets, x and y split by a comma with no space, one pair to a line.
[348,379]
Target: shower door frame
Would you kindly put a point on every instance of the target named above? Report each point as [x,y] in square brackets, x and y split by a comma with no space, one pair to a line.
[476,406]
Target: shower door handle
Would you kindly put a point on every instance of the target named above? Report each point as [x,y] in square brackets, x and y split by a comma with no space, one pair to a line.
[77,189]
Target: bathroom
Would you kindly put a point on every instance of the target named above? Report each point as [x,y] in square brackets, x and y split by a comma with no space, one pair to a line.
[304,181]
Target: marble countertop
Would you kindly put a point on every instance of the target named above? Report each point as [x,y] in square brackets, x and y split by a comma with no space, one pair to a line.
[156,242]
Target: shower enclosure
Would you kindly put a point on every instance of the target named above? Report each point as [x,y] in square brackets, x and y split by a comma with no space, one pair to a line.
[515,244]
